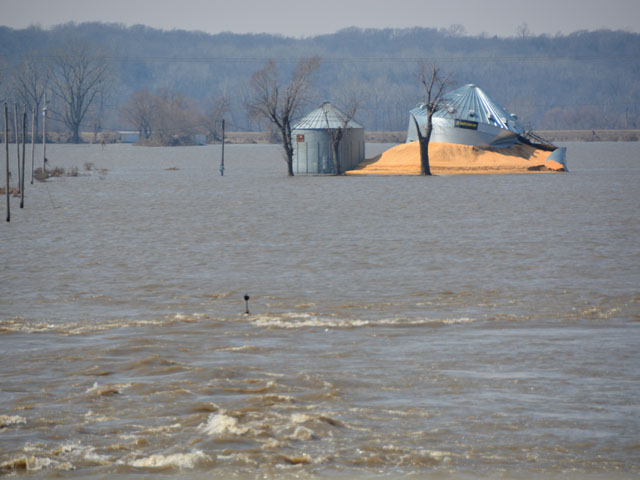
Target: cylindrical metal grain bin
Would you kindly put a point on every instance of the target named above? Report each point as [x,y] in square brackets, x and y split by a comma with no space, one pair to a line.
[313,138]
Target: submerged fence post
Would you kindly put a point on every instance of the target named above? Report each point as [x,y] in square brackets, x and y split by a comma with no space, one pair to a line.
[222,161]
[6,147]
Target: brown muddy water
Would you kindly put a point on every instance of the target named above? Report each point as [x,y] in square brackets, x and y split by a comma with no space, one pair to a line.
[400,327]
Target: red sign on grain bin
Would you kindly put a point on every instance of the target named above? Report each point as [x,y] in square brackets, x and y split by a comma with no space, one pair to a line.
[300,138]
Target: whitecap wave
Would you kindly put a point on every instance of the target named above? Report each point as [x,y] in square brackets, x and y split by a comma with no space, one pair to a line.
[87,453]
[175,460]
[22,325]
[9,420]
[220,423]
[162,429]
[32,464]
[298,320]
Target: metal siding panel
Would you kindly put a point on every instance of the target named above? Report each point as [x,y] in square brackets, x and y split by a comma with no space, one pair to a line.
[314,155]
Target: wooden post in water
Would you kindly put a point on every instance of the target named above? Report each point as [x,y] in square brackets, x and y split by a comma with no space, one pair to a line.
[33,140]
[6,147]
[222,162]
[24,139]
[17,137]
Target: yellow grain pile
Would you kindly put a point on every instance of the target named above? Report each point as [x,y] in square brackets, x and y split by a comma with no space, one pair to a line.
[448,158]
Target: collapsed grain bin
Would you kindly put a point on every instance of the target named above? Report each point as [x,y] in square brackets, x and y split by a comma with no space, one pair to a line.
[313,138]
[470,117]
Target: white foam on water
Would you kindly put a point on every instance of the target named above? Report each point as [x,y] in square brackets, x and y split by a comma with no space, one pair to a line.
[301,417]
[219,423]
[241,348]
[298,320]
[77,451]
[8,420]
[90,416]
[71,328]
[437,455]
[34,464]
[302,433]
[162,429]
[176,460]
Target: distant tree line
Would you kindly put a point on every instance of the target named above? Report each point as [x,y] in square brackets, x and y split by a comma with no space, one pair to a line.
[167,84]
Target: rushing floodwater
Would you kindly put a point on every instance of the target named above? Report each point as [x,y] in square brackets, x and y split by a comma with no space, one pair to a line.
[445,327]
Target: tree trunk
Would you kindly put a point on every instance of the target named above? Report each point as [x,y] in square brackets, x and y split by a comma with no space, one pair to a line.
[288,147]
[76,134]
[424,158]
[423,141]
[335,147]
[425,166]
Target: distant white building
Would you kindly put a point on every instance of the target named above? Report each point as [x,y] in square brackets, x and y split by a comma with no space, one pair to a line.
[128,137]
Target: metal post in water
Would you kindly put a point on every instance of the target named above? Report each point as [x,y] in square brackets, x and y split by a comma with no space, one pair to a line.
[24,139]
[33,140]
[17,138]
[222,162]
[44,136]
[6,147]
[246,304]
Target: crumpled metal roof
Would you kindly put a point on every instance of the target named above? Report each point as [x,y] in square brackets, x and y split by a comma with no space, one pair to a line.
[323,117]
[471,103]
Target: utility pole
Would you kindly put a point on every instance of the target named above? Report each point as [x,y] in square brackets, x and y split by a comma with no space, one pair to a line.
[17,138]
[222,162]
[33,141]
[24,138]
[6,147]
[44,135]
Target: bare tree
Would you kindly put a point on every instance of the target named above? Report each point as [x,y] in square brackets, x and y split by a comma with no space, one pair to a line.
[435,83]
[278,103]
[218,107]
[139,110]
[81,74]
[336,126]
[522,31]
[456,30]
[175,119]
[31,82]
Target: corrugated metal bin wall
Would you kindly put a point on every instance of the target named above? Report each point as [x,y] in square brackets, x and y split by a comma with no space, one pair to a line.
[312,150]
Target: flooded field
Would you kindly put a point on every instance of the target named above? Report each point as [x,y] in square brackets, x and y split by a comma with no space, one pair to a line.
[473,326]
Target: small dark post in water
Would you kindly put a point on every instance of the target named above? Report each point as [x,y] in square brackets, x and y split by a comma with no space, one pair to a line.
[222,162]
[33,141]
[6,147]
[24,138]
[246,304]
[17,138]
[44,135]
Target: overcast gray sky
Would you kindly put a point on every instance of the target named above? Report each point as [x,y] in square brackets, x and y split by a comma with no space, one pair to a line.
[306,18]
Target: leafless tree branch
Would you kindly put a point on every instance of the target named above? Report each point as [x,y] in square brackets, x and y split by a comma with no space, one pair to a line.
[280,104]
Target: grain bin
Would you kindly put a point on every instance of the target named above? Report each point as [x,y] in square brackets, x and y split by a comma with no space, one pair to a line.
[312,141]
